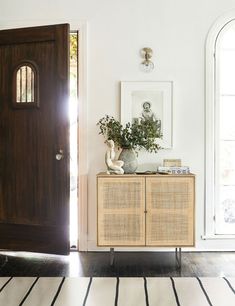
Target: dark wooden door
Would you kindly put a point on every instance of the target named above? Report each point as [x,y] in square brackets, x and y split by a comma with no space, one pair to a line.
[34,139]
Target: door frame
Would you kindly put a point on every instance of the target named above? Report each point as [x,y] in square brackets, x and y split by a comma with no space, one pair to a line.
[80,26]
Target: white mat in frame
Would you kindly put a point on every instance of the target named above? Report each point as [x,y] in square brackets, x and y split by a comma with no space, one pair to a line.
[125,291]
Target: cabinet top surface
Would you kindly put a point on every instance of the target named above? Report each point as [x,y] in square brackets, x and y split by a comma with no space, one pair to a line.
[104,174]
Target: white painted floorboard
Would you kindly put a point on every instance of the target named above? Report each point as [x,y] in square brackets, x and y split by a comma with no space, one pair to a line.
[102,292]
[43,292]
[3,280]
[14,291]
[131,291]
[156,289]
[219,292]
[189,292]
[73,292]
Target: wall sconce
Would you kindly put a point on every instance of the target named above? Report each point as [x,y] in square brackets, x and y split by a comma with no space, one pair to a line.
[147,65]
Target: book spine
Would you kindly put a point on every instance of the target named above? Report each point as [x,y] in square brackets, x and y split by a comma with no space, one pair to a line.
[174,170]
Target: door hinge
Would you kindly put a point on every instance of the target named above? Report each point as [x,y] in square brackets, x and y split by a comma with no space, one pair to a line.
[214,218]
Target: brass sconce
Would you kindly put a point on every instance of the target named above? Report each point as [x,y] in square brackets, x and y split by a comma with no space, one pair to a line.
[147,65]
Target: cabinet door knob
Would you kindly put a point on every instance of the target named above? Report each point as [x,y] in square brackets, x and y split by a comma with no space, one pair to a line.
[145,211]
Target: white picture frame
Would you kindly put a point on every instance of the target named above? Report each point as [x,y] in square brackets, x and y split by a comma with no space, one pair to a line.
[158,96]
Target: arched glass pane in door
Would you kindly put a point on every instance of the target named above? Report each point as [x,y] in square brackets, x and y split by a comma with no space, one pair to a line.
[25,84]
[225,130]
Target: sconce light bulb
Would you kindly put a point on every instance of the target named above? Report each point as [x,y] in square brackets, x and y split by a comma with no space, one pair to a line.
[147,66]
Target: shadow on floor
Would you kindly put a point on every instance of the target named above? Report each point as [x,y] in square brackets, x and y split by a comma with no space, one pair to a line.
[135,264]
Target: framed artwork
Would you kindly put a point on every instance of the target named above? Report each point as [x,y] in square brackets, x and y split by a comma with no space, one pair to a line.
[149,100]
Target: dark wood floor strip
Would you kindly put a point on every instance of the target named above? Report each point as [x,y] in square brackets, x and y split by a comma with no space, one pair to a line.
[58,291]
[87,292]
[139,264]
[29,291]
[146,291]
[204,291]
[229,284]
[175,292]
[6,283]
[117,292]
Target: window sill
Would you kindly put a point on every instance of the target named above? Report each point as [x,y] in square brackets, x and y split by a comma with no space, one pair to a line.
[217,237]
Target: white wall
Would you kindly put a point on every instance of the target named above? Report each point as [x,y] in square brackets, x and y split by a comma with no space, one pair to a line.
[176,31]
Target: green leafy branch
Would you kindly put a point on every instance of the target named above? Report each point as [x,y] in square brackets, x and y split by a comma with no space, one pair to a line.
[141,134]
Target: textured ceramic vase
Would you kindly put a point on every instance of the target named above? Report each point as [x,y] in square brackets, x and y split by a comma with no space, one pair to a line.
[128,156]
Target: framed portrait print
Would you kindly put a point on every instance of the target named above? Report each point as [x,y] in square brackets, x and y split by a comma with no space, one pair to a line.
[149,100]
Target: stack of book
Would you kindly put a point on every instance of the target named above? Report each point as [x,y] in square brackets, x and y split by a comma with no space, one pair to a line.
[174,170]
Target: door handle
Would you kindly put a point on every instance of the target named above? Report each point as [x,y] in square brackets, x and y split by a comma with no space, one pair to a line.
[59,155]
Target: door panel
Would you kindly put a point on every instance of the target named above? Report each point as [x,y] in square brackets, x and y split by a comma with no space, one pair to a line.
[121,205]
[170,211]
[34,185]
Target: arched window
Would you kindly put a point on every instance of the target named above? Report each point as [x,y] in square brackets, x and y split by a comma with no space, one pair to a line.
[25,86]
[220,128]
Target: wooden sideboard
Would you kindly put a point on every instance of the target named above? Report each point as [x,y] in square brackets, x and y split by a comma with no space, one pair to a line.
[146,210]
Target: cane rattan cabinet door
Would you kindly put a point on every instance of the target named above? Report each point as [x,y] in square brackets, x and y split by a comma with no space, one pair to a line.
[170,211]
[121,206]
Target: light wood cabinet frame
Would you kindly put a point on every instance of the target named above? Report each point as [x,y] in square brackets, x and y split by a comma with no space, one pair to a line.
[146,210]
